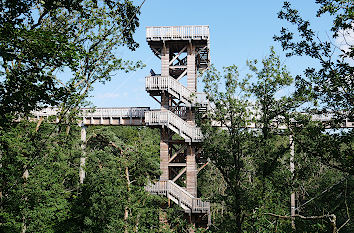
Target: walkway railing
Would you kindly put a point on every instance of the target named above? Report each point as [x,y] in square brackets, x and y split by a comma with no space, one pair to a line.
[101,116]
[177,33]
[135,112]
[175,123]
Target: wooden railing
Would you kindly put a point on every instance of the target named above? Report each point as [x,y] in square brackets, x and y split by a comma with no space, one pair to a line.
[199,32]
[135,112]
[175,123]
[176,89]
[181,196]
[100,116]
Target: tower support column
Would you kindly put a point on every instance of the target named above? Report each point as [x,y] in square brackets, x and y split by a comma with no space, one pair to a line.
[191,68]
[192,171]
[164,154]
[165,61]
[164,148]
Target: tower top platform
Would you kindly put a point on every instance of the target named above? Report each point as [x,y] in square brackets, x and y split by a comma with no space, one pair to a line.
[161,33]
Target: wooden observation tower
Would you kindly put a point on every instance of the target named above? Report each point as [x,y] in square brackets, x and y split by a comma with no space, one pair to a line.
[183,50]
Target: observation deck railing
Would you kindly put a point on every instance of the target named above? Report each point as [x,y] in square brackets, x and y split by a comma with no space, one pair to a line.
[195,32]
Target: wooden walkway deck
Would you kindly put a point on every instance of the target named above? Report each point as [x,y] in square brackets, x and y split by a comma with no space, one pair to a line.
[133,116]
[145,116]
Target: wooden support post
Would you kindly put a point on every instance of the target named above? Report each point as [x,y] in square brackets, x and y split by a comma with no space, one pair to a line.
[292,169]
[191,69]
[165,60]
[179,174]
[164,102]
[176,153]
[176,56]
[82,173]
[192,171]
[164,154]
[157,52]
[182,75]
[203,166]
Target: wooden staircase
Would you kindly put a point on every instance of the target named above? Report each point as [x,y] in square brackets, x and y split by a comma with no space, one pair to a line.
[167,118]
[175,88]
[180,196]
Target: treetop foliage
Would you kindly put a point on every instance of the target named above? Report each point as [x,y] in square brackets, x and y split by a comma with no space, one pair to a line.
[41,39]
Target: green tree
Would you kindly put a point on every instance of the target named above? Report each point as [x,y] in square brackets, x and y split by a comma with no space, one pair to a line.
[227,148]
[120,162]
[328,87]
[252,162]
[325,156]
[38,176]
[41,39]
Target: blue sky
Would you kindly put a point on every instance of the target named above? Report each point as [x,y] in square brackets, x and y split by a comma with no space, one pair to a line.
[239,30]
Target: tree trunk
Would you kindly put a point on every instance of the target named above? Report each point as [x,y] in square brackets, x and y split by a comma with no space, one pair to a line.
[126,209]
[292,169]
[82,173]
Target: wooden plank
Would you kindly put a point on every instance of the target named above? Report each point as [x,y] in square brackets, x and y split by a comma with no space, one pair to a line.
[156,51]
[203,166]
[176,153]
[191,172]
[156,99]
[180,52]
[164,155]
[179,174]
[176,141]
[177,164]
[182,75]
[178,67]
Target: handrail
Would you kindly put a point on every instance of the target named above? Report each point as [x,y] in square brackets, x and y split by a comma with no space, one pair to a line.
[98,112]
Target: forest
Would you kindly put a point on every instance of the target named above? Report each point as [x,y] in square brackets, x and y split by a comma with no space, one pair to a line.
[252,175]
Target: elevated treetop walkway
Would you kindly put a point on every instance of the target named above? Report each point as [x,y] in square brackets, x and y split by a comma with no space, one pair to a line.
[137,116]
